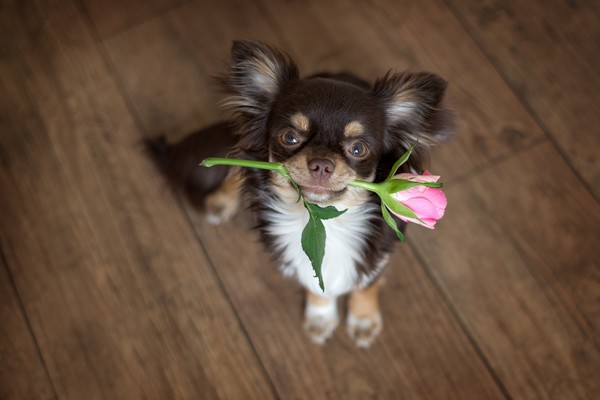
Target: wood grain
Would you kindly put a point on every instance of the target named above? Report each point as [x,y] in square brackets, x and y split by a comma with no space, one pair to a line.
[398,365]
[113,16]
[551,61]
[183,95]
[517,256]
[121,299]
[22,372]
[113,288]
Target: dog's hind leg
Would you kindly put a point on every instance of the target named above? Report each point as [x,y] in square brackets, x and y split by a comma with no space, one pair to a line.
[223,203]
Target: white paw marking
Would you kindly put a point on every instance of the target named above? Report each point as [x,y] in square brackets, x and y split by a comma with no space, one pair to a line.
[364,330]
[220,208]
[214,219]
[320,322]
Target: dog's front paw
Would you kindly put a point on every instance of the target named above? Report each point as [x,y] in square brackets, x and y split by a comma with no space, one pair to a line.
[320,319]
[364,330]
[320,328]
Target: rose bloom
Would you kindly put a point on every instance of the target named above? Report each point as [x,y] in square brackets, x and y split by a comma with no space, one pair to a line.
[427,203]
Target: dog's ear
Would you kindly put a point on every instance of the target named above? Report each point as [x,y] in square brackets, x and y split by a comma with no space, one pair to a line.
[256,75]
[413,107]
[415,115]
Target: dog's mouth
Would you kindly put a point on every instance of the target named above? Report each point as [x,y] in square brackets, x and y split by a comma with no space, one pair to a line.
[320,184]
[320,194]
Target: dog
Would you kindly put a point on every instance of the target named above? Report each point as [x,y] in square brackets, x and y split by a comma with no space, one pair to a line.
[327,129]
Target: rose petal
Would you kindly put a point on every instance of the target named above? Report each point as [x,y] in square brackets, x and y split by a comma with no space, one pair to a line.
[429,204]
[437,197]
[409,193]
[430,222]
[422,207]
[416,221]
[426,177]
[429,178]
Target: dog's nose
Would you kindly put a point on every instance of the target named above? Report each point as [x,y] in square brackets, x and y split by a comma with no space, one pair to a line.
[321,168]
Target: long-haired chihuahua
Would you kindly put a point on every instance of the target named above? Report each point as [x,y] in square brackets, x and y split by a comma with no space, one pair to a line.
[327,129]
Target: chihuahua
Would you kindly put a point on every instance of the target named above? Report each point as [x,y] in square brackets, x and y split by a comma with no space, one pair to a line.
[327,129]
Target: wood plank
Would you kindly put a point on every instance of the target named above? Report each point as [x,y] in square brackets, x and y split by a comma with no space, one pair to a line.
[549,53]
[496,125]
[22,372]
[183,95]
[517,254]
[120,296]
[372,37]
[420,344]
[113,16]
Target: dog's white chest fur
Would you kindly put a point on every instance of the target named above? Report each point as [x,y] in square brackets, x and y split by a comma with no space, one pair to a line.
[343,248]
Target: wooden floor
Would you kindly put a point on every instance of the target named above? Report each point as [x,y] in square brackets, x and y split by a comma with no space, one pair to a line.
[113,287]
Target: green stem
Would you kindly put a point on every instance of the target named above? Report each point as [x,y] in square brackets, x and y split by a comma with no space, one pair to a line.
[234,162]
[370,186]
[211,162]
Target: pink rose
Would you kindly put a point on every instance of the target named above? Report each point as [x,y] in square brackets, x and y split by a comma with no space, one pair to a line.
[427,203]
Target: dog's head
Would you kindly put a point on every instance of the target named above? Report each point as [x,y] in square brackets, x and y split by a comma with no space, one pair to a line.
[330,129]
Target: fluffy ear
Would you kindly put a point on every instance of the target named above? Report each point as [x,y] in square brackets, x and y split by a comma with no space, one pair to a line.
[256,75]
[413,107]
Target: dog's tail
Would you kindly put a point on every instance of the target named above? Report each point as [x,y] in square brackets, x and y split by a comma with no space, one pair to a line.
[159,151]
[180,162]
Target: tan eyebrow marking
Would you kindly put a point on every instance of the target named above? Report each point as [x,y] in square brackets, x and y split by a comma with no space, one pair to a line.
[300,122]
[354,129]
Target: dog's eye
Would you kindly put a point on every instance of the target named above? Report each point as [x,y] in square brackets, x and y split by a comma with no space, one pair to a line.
[358,149]
[289,138]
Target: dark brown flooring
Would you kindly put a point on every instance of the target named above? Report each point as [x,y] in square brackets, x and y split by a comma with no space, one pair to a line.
[112,287]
